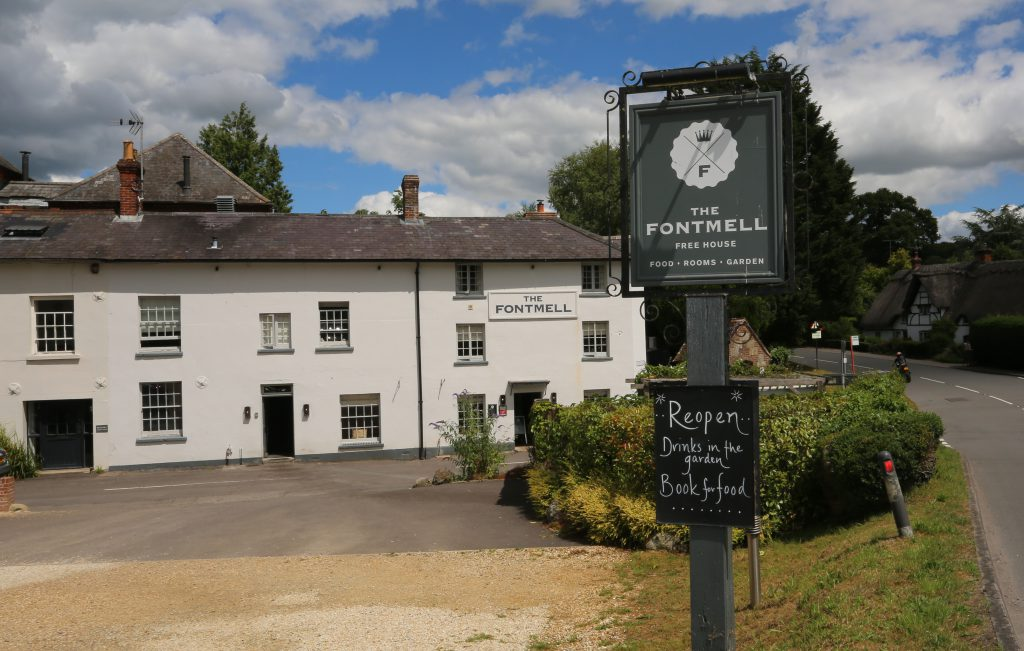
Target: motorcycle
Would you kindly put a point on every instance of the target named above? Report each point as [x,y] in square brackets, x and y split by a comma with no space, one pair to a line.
[904,369]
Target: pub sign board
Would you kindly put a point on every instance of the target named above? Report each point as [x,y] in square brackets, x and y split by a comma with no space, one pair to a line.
[708,204]
[706,456]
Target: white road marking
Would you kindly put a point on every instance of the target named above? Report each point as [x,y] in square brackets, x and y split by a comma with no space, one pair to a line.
[1001,400]
[931,380]
[966,389]
[198,483]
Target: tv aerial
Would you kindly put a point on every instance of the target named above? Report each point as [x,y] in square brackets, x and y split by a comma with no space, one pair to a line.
[135,124]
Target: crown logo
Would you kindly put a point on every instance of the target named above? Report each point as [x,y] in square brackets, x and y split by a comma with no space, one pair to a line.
[704,135]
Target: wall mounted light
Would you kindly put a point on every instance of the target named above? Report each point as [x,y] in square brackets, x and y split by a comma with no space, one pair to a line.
[94,267]
[554,397]
[246,413]
[305,411]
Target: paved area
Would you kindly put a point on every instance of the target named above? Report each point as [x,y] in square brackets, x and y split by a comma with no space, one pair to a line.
[264,510]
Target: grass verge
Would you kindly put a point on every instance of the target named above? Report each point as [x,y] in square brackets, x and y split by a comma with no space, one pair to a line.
[854,587]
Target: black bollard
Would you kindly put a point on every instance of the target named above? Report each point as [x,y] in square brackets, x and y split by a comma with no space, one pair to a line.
[895,493]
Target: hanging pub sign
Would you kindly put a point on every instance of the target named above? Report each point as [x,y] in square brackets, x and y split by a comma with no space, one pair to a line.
[707,191]
[706,451]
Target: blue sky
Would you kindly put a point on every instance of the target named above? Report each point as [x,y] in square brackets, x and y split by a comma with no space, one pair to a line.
[481,98]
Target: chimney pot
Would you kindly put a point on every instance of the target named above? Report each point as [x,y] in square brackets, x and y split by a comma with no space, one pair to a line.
[129,150]
[411,197]
[983,255]
[540,205]
[24,165]
[130,174]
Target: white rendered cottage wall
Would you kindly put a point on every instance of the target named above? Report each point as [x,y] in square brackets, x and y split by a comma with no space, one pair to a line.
[221,369]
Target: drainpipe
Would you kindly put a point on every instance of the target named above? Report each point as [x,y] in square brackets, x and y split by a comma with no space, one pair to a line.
[419,364]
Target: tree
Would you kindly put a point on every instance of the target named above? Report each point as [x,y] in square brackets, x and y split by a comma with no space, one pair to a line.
[889,220]
[584,188]
[236,144]
[1002,231]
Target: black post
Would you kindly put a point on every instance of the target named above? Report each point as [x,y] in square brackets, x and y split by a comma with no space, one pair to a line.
[895,494]
[712,616]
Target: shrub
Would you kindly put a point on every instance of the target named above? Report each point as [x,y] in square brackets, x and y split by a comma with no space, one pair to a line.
[999,341]
[23,463]
[780,355]
[850,472]
[478,453]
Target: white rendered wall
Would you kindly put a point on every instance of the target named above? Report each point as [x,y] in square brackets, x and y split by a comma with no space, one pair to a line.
[221,370]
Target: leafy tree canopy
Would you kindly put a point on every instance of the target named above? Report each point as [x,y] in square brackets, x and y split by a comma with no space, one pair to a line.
[236,144]
[888,221]
[584,188]
[1001,231]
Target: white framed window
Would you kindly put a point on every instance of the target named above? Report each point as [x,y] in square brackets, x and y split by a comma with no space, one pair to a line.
[596,394]
[360,419]
[55,325]
[161,408]
[595,279]
[334,325]
[469,279]
[472,409]
[160,322]
[470,338]
[595,339]
[276,331]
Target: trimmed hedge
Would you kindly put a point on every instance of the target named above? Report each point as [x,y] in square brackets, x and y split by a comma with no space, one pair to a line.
[999,341]
[594,463]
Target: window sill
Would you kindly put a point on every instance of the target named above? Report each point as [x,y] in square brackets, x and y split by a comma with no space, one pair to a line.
[372,444]
[275,351]
[158,440]
[158,354]
[334,349]
[58,358]
[597,359]
[594,293]
[475,362]
[475,296]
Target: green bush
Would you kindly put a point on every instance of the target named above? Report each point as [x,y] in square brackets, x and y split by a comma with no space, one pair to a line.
[850,470]
[478,454]
[780,355]
[999,341]
[23,463]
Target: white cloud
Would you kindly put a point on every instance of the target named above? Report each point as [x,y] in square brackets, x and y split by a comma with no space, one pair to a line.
[351,48]
[516,34]
[996,35]
[952,224]
[433,204]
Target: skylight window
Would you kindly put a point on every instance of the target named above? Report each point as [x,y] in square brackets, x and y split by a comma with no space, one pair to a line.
[24,230]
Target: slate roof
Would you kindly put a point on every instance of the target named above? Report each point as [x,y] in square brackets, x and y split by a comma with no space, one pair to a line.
[967,290]
[34,189]
[164,180]
[94,236]
[11,169]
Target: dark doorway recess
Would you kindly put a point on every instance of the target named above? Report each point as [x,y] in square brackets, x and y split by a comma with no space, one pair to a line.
[61,432]
[521,405]
[278,420]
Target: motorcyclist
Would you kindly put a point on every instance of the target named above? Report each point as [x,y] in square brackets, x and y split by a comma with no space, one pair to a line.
[900,361]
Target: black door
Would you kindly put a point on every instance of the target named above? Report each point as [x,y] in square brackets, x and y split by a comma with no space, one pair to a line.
[278,421]
[521,405]
[61,431]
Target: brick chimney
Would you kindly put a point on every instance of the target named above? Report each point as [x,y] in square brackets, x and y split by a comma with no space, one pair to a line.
[130,171]
[411,197]
[541,212]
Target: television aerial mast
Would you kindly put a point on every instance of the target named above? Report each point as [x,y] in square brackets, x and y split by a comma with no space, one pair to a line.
[135,124]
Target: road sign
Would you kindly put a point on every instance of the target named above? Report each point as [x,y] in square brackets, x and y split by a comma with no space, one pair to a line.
[816,334]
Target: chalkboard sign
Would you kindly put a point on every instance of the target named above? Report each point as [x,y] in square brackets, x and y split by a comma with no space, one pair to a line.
[706,453]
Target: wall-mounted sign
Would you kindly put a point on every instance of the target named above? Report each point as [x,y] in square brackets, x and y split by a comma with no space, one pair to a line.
[707,191]
[539,305]
[706,453]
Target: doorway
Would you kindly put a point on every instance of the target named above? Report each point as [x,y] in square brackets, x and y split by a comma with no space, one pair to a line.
[522,403]
[278,420]
[61,432]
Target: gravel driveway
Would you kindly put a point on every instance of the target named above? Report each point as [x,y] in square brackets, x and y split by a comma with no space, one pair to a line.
[489,599]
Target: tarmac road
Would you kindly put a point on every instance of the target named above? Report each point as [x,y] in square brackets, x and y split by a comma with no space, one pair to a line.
[264,510]
[983,414]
